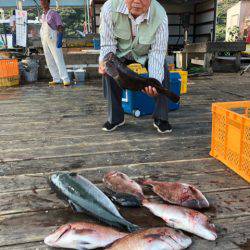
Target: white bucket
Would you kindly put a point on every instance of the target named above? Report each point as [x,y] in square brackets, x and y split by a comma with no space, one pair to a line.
[71,74]
[30,69]
[80,75]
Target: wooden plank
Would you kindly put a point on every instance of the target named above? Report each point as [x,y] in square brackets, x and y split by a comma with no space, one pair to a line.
[87,97]
[27,246]
[201,173]
[76,136]
[201,144]
[87,137]
[75,117]
[99,160]
[92,101]
[40,224]
[78,118]
[197,244]
[94,127]
[224,204]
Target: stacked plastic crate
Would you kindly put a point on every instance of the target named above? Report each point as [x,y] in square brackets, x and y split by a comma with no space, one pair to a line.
[9,72]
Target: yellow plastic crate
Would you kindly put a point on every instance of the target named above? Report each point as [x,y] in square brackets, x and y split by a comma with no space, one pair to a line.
[9,81]
[184,79]
[9,68]
[136,67]
[231,136]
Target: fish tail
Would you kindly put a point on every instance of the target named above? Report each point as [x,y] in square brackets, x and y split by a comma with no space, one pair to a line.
[145,202]
[132,228]
[171,95]
[146,182]
[140,196]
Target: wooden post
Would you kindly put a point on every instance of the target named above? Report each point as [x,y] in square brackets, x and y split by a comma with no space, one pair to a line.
[237,60]
[208,57]
[194,28]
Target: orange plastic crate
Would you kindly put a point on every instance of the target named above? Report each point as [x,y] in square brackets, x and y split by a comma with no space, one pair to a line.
[231,136]
[9,68]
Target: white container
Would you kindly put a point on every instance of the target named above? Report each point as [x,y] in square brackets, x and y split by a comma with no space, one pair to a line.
[80,75]
[71,74]
[30,69]
[169,59]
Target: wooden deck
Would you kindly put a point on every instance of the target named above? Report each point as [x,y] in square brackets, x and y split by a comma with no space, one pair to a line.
[43,130]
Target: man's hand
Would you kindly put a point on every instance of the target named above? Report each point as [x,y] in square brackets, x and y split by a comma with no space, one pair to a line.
[151,91]
[101,69]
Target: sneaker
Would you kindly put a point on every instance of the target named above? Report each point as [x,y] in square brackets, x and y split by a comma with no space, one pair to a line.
[162,126]
[66,83]
[107,126]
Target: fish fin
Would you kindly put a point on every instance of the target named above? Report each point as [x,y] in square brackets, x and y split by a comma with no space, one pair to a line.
[171,95]
[59,232]
[76,208]
[141,181]
[73,174]
[84,245]
[145,182]
[81,247]
[123,199]
[201,203]
[154,237]
[113,243]
[132,228]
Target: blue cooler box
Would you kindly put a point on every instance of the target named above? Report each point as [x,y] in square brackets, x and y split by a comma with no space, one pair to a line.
[138,104]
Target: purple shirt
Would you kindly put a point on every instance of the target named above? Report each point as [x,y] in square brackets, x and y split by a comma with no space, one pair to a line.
[54,19]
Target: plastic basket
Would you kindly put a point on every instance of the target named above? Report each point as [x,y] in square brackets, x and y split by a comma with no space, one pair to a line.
[184,79]
[80,75]
[96,43]
[136,67]
[9,68]
[231,136]
[9,81]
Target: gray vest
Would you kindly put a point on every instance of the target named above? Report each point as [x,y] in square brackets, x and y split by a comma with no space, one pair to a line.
[140,46]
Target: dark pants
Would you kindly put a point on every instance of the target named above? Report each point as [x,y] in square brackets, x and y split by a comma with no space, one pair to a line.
[13,38]
[113,93]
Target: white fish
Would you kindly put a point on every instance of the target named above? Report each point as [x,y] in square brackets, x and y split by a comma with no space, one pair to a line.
[183,218]
[82,235]
[161,238]
[178,193]
[123,190]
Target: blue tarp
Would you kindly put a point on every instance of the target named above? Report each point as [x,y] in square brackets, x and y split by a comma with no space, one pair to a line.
[29,3]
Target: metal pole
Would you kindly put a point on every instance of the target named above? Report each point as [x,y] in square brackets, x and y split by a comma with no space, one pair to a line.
[94,18]
[194,28]
[215,21]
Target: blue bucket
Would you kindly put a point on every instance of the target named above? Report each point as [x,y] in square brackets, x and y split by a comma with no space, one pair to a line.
[96,42]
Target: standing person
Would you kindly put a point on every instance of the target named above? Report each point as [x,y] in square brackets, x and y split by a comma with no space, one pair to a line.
[13,27]
[136,31]
[51,35]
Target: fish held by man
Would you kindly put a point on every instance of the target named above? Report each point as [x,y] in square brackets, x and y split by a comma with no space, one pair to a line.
[128,79]
[83,235]
[84,196]
[162,238]
[178,193]
[183,218]
[122,189]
